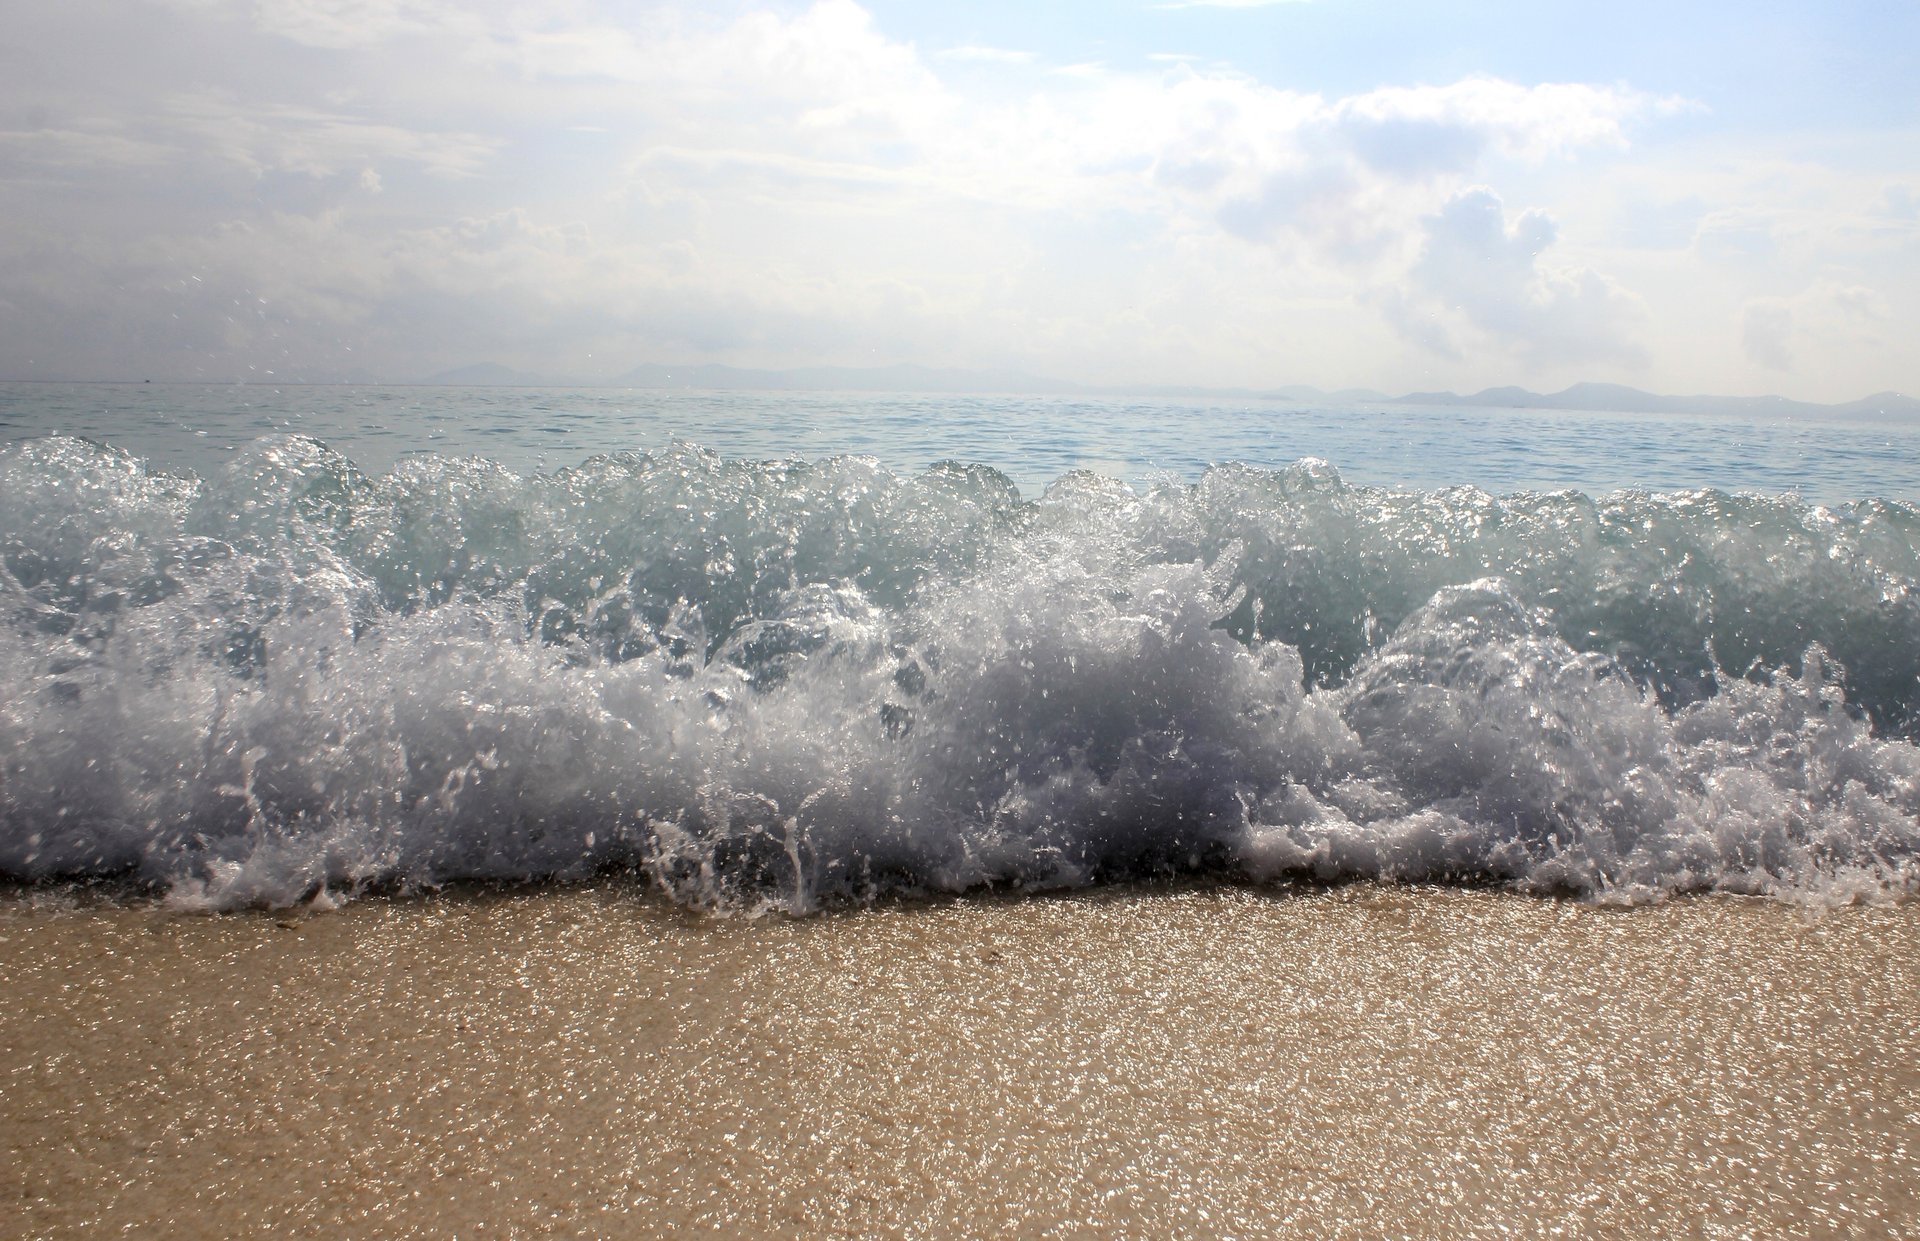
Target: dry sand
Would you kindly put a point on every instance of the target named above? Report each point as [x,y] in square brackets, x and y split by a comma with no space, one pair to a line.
[1222,1062]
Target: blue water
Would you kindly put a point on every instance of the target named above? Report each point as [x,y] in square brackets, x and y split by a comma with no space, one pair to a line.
[262,646]
[1032,440]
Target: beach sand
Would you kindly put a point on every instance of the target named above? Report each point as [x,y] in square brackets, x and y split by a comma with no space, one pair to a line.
[1358,1061]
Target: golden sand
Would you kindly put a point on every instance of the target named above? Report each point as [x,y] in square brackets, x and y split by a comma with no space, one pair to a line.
[1224,1062]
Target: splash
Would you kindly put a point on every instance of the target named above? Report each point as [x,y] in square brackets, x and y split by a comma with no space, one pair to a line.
[789,684]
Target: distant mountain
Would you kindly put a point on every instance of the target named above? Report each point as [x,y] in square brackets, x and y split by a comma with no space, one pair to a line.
[1586,397]
[1618,398]
[1889,405]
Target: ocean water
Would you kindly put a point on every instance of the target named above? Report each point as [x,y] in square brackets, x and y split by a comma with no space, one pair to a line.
[772,651]
[1032,440]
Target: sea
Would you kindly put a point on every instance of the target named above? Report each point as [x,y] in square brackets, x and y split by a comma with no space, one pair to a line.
[276,646]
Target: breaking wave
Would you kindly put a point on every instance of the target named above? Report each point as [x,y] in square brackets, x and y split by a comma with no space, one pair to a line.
[778,685]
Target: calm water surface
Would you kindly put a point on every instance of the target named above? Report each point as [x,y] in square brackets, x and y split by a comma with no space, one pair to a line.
[1032,439]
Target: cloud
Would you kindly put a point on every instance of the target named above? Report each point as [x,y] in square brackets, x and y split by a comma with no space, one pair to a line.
[1356,173]
[99,144]
[1827,318]
[992,55]
[1736,235]
[341,24]
[1528,122]
[315,142]
[1483,272]
[1765,329]
[434,182]
[191,129]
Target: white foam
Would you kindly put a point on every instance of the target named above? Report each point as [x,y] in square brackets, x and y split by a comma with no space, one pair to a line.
[783,684]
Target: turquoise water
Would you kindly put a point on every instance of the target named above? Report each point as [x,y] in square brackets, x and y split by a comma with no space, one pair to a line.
[1032,440]
[270,646]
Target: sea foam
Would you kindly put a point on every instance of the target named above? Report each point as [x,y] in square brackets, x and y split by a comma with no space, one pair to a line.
[788,684]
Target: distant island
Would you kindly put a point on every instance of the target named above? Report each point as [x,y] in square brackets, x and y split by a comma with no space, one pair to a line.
[1618,398]
[1587,397]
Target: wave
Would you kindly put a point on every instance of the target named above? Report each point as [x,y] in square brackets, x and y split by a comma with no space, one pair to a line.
[789,684]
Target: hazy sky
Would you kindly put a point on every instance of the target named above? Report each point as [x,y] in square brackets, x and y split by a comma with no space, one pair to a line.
[1681,196]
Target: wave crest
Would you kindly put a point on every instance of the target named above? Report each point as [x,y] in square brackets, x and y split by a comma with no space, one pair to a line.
[782,684]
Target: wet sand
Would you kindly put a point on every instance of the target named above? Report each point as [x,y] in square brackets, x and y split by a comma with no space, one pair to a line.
[1222,1062]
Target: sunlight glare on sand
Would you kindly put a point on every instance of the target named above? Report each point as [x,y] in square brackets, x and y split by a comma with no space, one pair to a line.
[1228,1062]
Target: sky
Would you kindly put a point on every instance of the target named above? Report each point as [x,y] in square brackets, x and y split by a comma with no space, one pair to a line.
[1698,197]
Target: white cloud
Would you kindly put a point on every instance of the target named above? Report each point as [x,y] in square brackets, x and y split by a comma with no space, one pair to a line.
[1766,327]
[1529,122]
[1483,273]
[1736,234]
[341,24]
[312,141]
[992,55]
[493,179]
[186,130]
[96,146]
[1828,318]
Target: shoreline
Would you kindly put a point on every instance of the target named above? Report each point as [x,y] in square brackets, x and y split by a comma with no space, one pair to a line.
[1149,1059]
